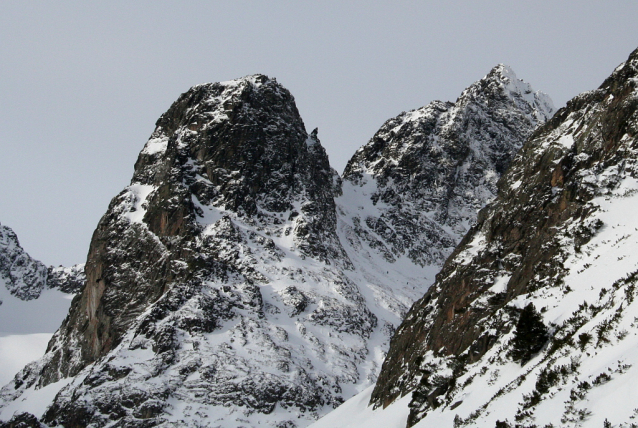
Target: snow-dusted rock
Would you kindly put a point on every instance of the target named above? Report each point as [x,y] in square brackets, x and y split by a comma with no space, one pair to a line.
[560,236]
[414,190]
[225,287]
[24,277]
[215,282]
[69,280]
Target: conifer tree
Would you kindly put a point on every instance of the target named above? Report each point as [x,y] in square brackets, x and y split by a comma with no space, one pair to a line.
[530,335]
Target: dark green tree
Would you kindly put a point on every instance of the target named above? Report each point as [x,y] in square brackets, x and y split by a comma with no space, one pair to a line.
[530,335]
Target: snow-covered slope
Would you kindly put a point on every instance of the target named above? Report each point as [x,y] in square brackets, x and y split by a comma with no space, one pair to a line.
[533,319]
[225,287]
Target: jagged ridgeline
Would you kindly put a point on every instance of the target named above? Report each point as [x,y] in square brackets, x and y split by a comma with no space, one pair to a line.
[238,282]
[25,278]
[416,188]
[532,321]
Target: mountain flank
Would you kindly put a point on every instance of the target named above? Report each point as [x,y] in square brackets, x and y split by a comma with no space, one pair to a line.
[531,321]
[240,281]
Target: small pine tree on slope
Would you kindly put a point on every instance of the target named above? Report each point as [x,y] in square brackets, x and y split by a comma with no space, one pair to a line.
[530,335]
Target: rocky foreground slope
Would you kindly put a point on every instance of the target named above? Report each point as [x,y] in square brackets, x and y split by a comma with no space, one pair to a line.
[226,287]
[532,321]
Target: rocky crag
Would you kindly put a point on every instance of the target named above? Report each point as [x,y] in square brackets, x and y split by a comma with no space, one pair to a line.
[226,287]
[25,278]
[532,320]
[413,191]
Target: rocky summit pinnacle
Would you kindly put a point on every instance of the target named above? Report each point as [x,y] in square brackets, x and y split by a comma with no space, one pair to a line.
[238,280]
[212,276]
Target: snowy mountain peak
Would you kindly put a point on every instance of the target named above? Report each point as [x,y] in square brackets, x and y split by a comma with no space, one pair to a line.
[427,172]
[500,82]
[627,70]
[217,269]
[24,277]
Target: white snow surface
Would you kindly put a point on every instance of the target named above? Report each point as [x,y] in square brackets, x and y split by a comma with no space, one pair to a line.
[137,194]
[355,413]
[35,402]
[543,104]
[155,146]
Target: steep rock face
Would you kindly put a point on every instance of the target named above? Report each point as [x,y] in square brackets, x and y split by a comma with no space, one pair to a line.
[558,237]
[413,191]
[215,281]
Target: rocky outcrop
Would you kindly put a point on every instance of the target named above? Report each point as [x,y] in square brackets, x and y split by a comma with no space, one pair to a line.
[236,151]
[68,280]
[430,170]
[25,277]
[226,284]
[546,240]
[216,278]
[22,420]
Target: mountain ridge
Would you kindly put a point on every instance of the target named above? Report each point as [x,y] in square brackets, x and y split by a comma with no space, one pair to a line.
[25,277]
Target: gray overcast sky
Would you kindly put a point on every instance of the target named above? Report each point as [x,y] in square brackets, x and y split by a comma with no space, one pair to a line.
[82,83]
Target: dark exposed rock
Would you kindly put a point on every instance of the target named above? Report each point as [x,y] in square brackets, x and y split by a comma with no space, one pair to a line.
[22,420]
